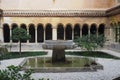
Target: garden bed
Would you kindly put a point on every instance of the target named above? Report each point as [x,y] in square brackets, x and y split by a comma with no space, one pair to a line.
[96,54]
[12,55]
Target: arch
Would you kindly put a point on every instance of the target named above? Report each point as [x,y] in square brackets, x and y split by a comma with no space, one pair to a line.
[40,33]
[32,33]
[60,32]
[6,33]
[101,29]
[111,25]
[48,32]
[116,31]
[93,29]
[14,25]
[112,31]
[119,23]
[85,29]
[115,25]
[68,32]
[24,27]
[76,30]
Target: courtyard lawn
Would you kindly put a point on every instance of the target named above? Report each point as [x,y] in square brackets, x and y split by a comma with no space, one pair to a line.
[12,55]
[93,54]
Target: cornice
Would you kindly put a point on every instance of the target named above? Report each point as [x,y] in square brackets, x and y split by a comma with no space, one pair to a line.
[61,13]
[113,10]
[53,13]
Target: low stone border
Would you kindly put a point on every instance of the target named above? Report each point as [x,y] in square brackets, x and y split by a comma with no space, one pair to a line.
[92,68]
[59,69]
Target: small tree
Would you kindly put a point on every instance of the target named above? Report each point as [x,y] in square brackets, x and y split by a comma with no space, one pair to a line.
[90,43]
[20,35]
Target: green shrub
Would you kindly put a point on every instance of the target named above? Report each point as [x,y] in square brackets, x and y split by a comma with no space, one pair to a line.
[13,73]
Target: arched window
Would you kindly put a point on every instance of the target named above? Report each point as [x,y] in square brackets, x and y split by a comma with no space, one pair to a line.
[101,29]
[112,31]
[32,33]
[76,30]
[68,32]
[14,25]
[119,24]
[85,30]
[24,27]
[116,32]
[60,32]
[40,33]
[6,33]
[48,32]
[93,29]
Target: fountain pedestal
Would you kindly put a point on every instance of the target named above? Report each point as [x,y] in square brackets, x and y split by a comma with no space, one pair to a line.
[58,47]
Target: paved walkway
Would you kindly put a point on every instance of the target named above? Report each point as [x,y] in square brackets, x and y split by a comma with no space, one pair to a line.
[111,69]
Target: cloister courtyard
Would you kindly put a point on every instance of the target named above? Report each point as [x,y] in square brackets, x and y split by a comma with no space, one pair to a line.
[110,71]
[44,35]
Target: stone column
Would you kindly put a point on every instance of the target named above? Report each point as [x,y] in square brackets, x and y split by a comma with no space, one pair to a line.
[97,32]
[28,33]
[44,35]
[10,34]
[72,34]
[80,32]
[1,30]
[64,34]
[1,34]
[54,34]
[35,35]
[88,31]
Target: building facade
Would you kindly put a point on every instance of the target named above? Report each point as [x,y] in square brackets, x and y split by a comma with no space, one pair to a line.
[60,19]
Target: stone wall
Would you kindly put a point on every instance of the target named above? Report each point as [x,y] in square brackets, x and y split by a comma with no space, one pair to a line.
[58,4]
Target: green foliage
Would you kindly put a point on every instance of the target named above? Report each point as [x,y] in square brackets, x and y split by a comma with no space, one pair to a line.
[12,55]
[20,34]
[13,73]
[93,54]
[90,42]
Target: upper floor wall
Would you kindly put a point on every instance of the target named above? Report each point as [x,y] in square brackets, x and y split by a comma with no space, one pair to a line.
[56,4]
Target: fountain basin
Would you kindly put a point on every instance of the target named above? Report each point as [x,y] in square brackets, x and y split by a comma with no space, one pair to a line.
[72,64]
[51,44]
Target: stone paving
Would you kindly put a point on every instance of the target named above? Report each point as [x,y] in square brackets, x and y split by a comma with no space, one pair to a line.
[111,69]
